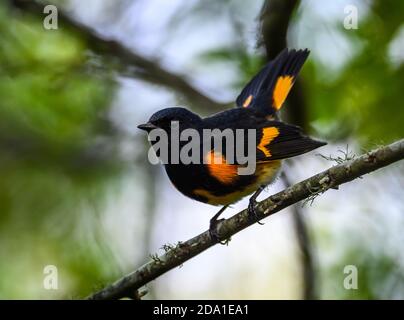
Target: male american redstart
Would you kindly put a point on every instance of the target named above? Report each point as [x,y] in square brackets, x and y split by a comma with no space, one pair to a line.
[219,182]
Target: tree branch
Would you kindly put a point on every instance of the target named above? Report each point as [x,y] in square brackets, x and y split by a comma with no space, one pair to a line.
[130,62]
[306,189]
[275,17]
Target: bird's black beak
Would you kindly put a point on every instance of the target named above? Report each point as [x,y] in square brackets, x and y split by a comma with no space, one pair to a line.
[147,126]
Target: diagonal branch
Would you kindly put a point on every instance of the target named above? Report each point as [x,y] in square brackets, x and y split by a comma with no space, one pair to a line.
[130,62]
[306,189]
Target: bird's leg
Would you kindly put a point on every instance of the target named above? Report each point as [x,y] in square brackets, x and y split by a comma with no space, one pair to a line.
[213,226]
[252,213]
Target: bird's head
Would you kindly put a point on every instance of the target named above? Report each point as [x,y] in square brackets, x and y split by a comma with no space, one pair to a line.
[162,119]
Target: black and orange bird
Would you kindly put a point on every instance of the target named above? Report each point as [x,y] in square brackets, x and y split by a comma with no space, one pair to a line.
[213,179]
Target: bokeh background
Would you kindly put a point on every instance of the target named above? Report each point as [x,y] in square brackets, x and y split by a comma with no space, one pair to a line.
[77,190]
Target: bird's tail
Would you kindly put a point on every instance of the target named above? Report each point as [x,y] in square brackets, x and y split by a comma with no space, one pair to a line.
[267,91]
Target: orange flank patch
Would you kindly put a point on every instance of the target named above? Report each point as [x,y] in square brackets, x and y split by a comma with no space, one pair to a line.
[265,174]
[219,169]
[268,134]
[281,90]
[247,101]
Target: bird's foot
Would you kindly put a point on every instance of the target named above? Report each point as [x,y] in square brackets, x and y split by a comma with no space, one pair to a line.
[252,211]
[214,234]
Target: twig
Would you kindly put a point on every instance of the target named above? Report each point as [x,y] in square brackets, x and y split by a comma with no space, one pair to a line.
[323,181]
[346,156]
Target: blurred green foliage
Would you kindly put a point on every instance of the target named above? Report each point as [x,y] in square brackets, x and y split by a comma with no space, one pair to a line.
[51,159]
[377,274]
[364,98]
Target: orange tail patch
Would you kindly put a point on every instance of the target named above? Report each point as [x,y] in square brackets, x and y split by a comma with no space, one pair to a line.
[281,90]
[247,101]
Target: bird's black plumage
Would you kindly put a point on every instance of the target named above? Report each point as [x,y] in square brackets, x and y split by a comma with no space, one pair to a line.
[256,110]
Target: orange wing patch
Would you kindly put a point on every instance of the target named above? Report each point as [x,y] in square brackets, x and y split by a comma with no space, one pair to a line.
[247,101]
[268,134]
[219,169]
[281,90]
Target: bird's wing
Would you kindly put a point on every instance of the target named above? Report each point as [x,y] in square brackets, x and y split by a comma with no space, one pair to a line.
[272,140]
[278,140]
[267,91]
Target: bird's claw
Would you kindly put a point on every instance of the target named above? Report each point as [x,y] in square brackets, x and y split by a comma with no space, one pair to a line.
[214,233]
[252,212]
